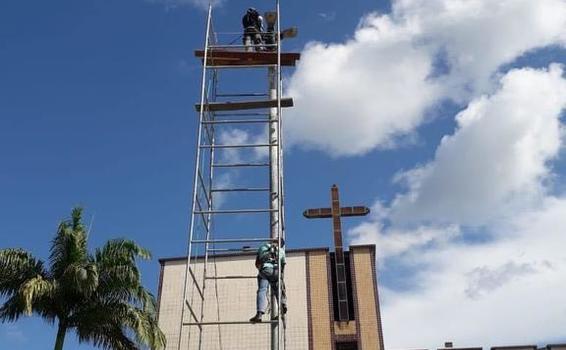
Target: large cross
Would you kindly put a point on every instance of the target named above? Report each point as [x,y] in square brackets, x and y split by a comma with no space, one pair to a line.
[336,212]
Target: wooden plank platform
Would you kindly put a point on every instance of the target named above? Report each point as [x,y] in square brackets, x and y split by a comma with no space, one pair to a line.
[241,105]
[242,58]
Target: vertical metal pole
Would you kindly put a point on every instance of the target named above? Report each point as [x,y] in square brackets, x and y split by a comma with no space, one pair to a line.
[195,183]
[280,161]
[275,161]
[274,188]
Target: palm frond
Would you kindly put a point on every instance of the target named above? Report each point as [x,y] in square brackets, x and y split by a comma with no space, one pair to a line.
[12,308]
[15,306]
[119,275]
[144,325]
[80,278]
[36,289]
[99,324]
[146,300]
[119,283]
[16,267]
[106,335]
[122,249]
[69,246]
[76,219]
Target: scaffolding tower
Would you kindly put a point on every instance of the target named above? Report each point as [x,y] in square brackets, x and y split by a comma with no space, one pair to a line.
[226,110]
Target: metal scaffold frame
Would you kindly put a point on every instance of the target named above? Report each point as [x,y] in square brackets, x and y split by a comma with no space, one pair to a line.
[213,113]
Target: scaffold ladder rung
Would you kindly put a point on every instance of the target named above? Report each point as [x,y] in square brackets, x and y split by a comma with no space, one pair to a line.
[236,211]
[231,250]
[235,240]
[239,165]
[232,46]
[248,94]
[242,114]
[240,146]
[244,66]
[239,121]
[230,277]
[250,189]
[227,323]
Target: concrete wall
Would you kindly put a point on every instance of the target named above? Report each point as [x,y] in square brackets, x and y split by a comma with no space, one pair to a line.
[310,318]
[236,302]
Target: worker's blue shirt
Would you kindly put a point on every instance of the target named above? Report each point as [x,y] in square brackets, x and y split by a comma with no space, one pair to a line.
[272,263]
[263,254]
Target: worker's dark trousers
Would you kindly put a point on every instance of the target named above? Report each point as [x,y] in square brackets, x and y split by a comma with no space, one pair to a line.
[252,36]
[268,276]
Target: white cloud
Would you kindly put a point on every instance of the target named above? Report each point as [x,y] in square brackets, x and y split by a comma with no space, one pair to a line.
[492,174]
[377,88]
[232,137]
[223,181]
[347,96]
[496,162]
[478,36]
[364,94]
[505,292]
[395,241]
[242,137]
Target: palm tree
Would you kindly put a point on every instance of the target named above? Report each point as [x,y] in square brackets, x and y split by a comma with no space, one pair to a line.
[99,295]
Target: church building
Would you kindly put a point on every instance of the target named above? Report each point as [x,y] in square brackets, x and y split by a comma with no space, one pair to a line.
[313,320]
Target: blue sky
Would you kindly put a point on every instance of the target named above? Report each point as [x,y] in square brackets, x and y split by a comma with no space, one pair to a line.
[444,115]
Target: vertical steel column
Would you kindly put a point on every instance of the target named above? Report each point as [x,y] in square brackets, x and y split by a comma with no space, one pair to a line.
[274,188]
[276,179]
[280,162]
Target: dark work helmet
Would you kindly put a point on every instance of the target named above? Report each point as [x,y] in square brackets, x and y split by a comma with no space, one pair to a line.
[252,10]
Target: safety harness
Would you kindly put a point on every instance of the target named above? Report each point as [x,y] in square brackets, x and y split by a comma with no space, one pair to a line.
[268,254]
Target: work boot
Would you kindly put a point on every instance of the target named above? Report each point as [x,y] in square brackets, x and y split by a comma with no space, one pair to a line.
[257,317]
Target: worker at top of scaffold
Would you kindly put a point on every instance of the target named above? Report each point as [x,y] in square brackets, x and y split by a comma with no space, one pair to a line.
[253,28]
[267,264]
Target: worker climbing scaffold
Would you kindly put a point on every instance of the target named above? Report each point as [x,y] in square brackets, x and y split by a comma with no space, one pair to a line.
[268,259]
[219,224]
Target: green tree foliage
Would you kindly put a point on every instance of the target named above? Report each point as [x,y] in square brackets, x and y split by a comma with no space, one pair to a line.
[99,296]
